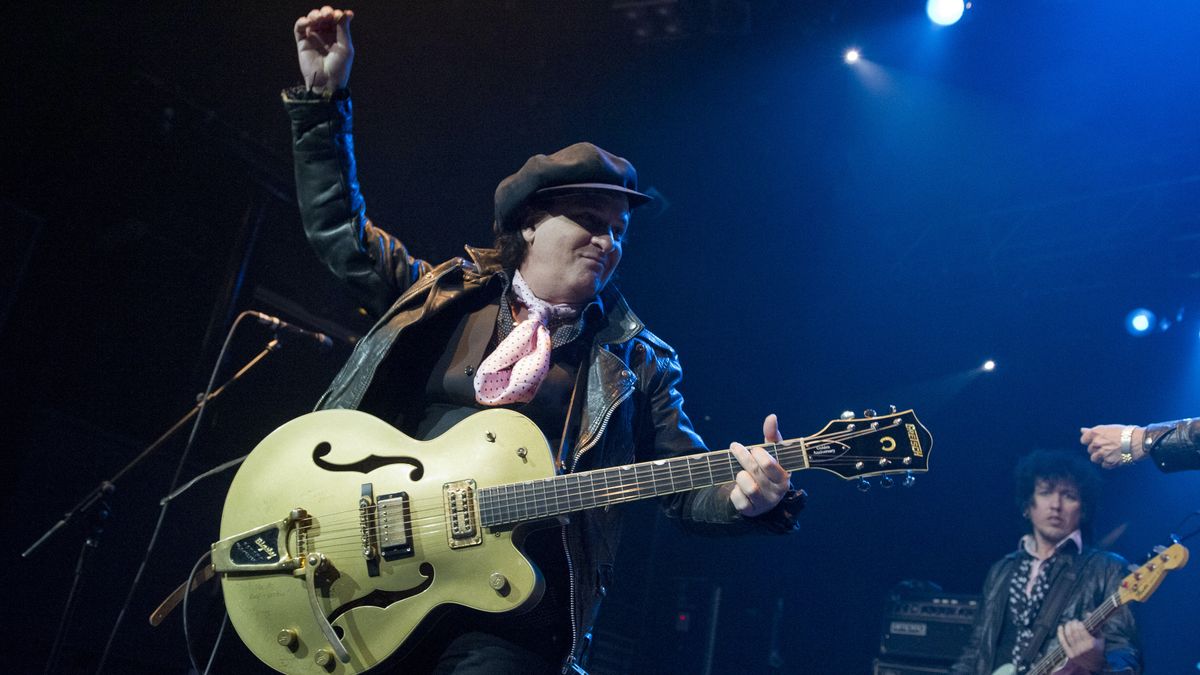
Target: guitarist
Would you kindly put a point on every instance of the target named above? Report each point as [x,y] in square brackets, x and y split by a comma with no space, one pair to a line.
[532,324]
[1037,595]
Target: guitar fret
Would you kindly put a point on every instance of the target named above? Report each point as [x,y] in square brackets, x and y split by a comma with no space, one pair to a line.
[560,496]
[537,506]
[590,500]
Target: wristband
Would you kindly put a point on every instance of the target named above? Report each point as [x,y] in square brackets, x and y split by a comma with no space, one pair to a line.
[1127,445]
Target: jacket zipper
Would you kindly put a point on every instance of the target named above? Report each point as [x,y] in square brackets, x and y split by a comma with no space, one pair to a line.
[570,662]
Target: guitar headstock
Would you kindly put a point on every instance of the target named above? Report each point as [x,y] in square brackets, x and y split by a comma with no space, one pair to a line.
[1143,581]
[855,447]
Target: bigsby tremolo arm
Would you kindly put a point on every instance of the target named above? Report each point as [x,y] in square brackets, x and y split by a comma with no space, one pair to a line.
[262,549]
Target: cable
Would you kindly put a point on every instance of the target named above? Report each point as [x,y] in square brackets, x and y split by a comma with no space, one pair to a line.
[221,633]
[187,636]
[162,513]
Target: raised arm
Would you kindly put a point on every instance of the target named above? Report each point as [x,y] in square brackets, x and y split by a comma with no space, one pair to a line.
[376,266]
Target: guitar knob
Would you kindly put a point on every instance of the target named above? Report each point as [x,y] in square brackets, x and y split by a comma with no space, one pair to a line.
[869,413]
[909,479]
[499,583]
[847,414]
[864,485]
[886,482]
[288,638]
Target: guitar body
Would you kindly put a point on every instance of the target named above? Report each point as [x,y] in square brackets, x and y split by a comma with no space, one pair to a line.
[320,463]
[341,535]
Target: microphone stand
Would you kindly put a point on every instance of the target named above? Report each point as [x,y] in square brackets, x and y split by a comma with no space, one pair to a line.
[108,487]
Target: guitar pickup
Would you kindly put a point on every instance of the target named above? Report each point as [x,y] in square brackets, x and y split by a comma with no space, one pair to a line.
[462,515]
[393,524]
[262,549]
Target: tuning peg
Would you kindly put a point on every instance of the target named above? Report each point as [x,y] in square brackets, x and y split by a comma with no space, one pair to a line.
[1132,567]
[847,414]
[869,413]
[886,482]
[893,408]
[864,485]
[1159,549]
[909,479]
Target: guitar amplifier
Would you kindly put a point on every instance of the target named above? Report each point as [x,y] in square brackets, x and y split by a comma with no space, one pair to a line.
[899,668]
[927,624]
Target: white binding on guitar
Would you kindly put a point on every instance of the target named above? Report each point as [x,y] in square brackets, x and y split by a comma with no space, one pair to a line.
[340,534]
[1137,586]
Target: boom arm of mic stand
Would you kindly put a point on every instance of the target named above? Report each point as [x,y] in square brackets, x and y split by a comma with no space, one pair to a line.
[108,487]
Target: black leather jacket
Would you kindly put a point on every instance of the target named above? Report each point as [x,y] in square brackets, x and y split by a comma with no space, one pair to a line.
[1174,446]
[632,409]
[1099,575]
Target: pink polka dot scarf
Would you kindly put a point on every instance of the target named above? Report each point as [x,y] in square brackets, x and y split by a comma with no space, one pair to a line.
[513,372]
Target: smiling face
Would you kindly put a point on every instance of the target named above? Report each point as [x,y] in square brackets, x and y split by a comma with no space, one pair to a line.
[575,247]
[1055,510]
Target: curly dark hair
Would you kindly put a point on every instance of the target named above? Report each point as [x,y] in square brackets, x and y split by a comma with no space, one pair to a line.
[1055,466]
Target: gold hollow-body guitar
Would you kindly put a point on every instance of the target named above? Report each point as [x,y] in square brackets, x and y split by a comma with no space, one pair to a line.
[1137,586]
[340,534]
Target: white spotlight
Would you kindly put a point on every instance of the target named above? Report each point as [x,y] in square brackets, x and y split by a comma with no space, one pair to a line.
[944,12]
[989,365]
[1140,321]
[852,56]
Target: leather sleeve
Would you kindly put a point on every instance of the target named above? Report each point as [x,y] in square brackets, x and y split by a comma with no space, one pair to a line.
[973,660]
[670,433]
[376,266]
[1174,446]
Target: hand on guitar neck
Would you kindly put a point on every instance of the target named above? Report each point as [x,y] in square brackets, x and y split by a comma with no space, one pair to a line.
[1085,652]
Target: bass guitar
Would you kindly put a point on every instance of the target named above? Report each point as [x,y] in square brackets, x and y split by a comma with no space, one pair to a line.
[340,534]
[1137,586]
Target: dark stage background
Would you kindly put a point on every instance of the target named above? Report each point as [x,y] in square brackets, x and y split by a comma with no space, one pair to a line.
[833,237]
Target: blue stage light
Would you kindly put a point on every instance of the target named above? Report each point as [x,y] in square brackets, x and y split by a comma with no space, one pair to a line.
[1140,321]
[852,56]
[989,365]
[944,12]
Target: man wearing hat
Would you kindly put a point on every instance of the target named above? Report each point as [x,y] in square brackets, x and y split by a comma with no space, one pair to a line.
[532,325]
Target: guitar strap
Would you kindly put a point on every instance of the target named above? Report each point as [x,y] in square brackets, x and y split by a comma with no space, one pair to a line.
[1064,586]
[570,422]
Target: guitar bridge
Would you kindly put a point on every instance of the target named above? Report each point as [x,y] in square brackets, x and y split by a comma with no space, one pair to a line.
[262,549]
[462,514]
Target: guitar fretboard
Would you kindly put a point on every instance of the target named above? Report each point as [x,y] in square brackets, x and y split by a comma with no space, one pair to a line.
[534,500]
[1052,660]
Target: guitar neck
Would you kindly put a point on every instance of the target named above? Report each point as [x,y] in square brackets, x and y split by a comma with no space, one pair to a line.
[539,499]
[1051,661]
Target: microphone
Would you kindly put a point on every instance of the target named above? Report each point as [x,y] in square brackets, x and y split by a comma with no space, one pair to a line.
[280,326]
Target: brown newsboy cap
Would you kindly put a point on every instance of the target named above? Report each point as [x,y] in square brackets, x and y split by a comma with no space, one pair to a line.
[581,167]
